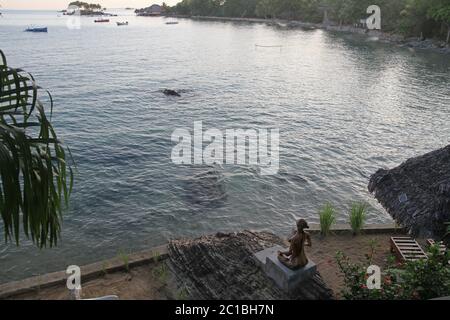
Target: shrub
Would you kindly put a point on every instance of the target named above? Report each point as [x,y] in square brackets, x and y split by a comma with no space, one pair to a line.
[125,259]
[446,237]
[327,219]
[427,279]
[420,279]
[357,216]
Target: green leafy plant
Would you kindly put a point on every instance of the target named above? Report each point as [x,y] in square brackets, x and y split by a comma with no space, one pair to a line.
[182,294]
[419,279]
[447,232]
[156,256]
[162,272]
[35,179]
[104,269]
[357,217]
[327,219]
[125,259]
[427,278]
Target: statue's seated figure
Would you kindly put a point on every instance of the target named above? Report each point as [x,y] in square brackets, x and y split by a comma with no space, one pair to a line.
[295,257]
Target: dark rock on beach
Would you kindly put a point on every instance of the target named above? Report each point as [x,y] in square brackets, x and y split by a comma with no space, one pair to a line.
[417,193]
[222,266]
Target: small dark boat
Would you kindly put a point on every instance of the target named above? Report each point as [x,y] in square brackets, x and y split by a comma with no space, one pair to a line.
[172,22]
[122,23]
[31,29]
[101,20]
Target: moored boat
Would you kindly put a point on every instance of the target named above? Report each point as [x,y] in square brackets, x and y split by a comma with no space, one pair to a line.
[101,20]
[172,22]
[122,23]
[33,29]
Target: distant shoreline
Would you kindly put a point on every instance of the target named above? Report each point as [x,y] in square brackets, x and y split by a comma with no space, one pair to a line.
[392,38]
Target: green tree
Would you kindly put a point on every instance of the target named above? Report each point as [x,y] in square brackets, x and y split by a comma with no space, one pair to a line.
[265,9]
[439,10]
[183,8]
[410,17]
[203,7]
[86,6]
[413,17]
[239,8]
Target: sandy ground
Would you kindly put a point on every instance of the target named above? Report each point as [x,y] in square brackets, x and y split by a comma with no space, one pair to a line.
[323,253]
[149,282]
[155,281]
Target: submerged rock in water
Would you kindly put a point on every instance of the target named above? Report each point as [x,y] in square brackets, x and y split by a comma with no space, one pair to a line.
[417,193]
[205,188]
[170,92]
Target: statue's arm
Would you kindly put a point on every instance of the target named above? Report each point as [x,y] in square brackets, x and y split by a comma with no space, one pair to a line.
[288,252]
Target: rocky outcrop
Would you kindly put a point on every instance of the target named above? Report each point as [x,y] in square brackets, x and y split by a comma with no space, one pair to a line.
[206,188]
[427,44]
[417,193]
[170,92]
[222,266]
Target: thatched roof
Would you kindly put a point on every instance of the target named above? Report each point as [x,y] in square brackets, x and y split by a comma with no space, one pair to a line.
[223,267]
[417,193]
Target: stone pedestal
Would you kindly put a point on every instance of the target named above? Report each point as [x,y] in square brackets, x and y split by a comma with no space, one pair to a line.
[284,277]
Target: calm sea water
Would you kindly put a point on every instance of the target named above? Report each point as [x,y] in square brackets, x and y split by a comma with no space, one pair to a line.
[345,107]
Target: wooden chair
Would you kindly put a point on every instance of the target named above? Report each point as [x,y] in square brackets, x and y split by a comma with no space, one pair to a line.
[407,249]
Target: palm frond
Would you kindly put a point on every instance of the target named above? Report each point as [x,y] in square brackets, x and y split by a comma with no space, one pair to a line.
[35,180]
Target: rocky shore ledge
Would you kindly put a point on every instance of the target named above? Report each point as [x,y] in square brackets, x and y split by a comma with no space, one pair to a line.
[223,266]
[217,266]
[385,37]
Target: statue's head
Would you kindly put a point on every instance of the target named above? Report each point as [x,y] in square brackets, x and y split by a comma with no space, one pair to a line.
[302,224]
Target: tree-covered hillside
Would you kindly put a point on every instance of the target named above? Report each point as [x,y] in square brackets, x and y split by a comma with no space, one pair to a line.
[430,18]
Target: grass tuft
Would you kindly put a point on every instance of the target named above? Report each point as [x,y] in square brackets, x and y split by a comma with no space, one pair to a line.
[327,218]
[125,259]
[162,273]
[358,213]
[182,294]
